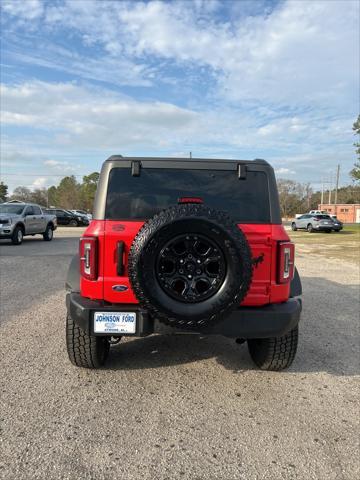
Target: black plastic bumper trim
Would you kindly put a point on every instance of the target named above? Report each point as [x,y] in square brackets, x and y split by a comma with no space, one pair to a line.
[245,322]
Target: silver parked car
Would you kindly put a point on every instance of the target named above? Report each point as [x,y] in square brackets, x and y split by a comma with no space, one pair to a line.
[313,223]
[20,219]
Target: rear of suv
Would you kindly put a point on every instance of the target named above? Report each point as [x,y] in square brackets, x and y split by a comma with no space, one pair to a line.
[184,246]
[314,223]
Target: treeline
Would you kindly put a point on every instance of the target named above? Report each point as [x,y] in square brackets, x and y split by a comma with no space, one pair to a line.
[300,198]
[69,194]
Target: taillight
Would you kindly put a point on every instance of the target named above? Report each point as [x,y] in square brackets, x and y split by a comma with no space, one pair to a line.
[190,200]
[286,258]
[88,257]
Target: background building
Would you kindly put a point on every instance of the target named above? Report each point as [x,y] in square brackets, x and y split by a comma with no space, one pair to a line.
[345,212]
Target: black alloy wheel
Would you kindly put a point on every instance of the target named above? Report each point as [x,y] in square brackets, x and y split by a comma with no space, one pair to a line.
[191,268]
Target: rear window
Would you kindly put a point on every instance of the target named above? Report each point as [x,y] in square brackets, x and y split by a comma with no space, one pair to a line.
[321,217]
[139,198]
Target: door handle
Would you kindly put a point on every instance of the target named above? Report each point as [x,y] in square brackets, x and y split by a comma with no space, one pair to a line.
[120,258]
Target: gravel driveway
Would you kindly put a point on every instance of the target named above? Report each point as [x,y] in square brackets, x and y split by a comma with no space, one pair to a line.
[179,407]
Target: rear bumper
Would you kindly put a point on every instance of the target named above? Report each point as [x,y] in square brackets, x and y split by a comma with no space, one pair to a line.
[323,228]
[245,322]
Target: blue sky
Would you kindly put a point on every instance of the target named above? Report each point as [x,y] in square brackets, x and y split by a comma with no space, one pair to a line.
[81,80]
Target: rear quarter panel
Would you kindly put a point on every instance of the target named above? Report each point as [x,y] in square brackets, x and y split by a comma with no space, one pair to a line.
[259,238]
[88,288]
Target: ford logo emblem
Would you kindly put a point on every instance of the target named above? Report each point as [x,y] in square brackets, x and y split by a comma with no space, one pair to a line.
[120,288]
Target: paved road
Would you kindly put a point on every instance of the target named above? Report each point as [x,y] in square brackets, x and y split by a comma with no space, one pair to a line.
[173,407]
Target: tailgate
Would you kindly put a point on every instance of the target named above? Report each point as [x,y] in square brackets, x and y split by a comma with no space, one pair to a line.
[117,287]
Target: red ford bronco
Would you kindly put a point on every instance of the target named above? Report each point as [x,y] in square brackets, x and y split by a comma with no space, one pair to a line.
[184,245]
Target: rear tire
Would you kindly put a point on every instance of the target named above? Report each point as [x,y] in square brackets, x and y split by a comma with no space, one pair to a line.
[274,353]
[17,236]
[309,228]
[48,234]
[293,227]
[87,351]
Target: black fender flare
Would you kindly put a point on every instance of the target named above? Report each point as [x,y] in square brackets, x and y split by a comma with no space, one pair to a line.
[295,285]
[72,283]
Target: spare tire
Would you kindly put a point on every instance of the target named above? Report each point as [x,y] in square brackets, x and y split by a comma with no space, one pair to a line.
[189,266]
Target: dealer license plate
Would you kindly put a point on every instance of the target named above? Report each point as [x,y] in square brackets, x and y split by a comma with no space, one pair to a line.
[115,322]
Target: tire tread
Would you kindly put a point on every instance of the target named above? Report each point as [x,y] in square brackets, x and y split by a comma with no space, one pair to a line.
[87,351]
[276,353]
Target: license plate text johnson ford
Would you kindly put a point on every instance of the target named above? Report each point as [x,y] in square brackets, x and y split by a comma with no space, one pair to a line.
[114,322]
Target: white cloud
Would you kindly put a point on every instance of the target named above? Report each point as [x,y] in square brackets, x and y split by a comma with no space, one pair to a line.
[284,126]
[301,48]
[278,82]
[39,182]
[52,163]
[93,117]
[61,166]
[300,52]
[284,171]
[70,119]
[116,71]
[25,9]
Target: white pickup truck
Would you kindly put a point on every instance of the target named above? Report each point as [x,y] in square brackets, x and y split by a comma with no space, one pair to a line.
[20,219]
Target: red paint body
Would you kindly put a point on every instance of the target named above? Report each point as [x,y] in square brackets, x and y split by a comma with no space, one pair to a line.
[263,239]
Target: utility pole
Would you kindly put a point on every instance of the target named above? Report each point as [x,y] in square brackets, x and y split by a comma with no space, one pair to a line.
[190,154]
[337,185]
[330,185]
[308,195]
[322,191]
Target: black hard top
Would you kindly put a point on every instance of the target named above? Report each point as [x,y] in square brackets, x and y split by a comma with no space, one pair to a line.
[137,163]
[186,160]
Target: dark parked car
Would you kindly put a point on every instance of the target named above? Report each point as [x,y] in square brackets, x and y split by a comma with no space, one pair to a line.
[337,224]
[64,217]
